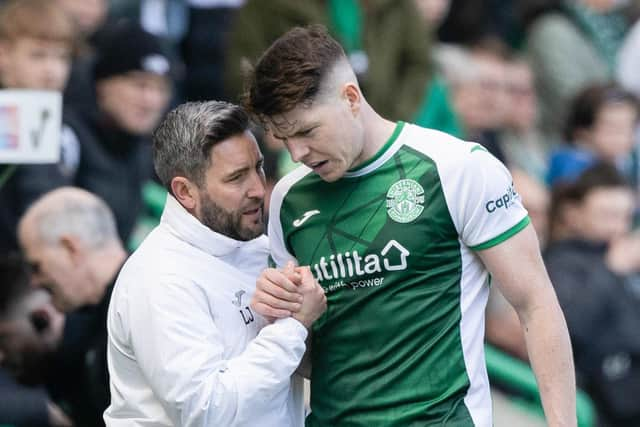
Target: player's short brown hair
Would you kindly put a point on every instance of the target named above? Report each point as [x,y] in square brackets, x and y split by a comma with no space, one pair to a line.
[291,71]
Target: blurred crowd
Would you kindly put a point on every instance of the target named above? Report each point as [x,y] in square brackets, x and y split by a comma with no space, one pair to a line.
[550,87]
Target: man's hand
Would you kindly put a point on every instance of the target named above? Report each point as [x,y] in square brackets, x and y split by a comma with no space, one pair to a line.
[277,294]
[314,301]
[292,291]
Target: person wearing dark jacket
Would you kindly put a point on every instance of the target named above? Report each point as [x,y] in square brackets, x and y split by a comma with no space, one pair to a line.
[593,266]
[133,89]
[36,42]
[30,330]
[69,236]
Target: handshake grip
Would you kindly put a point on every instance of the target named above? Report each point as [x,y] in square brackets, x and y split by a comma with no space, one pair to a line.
[292,291]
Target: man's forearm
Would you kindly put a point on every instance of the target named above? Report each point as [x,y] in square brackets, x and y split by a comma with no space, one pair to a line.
[550,355]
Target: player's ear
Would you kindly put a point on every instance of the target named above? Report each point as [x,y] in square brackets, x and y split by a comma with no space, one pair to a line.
[351,93]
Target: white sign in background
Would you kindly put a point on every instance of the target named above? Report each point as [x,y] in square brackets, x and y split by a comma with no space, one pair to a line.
[30,124]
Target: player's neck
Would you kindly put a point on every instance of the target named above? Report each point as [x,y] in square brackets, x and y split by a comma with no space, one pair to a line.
[377,131]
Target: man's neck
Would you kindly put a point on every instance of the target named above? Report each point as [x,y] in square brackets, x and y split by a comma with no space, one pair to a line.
[377,131]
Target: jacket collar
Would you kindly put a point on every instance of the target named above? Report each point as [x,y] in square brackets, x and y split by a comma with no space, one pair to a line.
[188,228]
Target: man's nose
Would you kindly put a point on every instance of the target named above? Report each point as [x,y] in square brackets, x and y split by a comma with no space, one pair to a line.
[257,188]
[297,151]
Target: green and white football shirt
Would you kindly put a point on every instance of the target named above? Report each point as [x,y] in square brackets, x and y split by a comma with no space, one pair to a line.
[392,243]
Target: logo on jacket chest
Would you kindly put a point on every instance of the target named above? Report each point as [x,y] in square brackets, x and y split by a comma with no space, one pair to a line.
[245,312]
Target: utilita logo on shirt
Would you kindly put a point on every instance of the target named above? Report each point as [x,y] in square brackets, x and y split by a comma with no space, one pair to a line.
[347,266]
[505,201]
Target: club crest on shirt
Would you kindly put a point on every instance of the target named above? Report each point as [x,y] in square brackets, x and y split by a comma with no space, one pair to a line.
[405,201]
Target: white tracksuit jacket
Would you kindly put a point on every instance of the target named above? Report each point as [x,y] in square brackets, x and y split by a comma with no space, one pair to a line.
[185,349]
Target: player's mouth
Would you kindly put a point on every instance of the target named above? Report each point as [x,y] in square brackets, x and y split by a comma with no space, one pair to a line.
[318,165]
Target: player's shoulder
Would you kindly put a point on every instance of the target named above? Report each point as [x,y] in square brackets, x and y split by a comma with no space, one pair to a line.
[444,149]
[290,180]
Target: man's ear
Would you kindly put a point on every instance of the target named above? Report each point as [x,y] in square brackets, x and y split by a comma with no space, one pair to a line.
[185,192]
[74,247]
[351,93]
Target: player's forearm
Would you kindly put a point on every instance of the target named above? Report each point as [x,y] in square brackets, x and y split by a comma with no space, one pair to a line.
[551,358]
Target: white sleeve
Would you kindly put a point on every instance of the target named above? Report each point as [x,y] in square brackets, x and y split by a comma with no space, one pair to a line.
[179,345]
[484,205]
[277,247]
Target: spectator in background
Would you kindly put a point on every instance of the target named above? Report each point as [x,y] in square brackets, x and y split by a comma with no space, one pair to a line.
[69,236]
[133,87]
[36,43]
[571,44]
[591,266]
[436,110]
[30,330]
[490,58]
[521,141]
[88,16]
[600,127]
[168,20]
[478,96]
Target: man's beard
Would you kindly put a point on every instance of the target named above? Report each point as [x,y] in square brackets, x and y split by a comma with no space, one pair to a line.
[228,223]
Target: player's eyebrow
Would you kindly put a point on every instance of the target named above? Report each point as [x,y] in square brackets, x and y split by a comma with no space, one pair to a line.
[301,130]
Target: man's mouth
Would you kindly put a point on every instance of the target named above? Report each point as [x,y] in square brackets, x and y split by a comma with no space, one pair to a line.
[250,212]
[318,165]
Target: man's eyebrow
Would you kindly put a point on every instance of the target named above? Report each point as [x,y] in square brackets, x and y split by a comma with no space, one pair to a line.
[298,131]
[244,169]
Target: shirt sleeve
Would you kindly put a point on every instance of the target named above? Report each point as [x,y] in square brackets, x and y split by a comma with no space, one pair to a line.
[180,347]
[279,254]
[483,202]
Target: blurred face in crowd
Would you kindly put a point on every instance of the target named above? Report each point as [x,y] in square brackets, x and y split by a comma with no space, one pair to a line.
[87,14]
[60,268]
[31,63]
[522,102]
[606,213]
[612,134]
[468,104]
[231,198]
[433,12]
[135,101]
[492,89]
[31,331]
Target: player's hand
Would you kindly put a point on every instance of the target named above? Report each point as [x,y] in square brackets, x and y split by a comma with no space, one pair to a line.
[314,301]
[277,294]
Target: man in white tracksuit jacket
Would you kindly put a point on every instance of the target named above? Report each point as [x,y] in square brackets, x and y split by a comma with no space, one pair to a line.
[185,348]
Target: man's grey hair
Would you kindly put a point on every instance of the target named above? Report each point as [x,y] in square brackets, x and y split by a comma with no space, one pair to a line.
[89,219]
[183,141]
